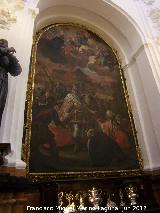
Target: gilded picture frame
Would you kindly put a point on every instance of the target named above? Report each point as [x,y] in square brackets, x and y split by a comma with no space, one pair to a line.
[78,118]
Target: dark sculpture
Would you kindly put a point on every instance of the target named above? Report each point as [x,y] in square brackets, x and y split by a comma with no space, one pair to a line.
[8,64]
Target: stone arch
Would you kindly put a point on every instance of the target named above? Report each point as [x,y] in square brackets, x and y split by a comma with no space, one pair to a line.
[122,33]
[106,15]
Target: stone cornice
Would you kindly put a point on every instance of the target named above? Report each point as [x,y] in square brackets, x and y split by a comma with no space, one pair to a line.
[136,54]
[33,11]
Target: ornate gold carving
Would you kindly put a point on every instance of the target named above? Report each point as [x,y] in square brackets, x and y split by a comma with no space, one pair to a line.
[95,196]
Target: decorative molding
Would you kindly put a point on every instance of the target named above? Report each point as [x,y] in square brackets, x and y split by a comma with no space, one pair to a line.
[32,3]
[32,7]
[8,12]
[6,18]
[153,12]
[158,40]
[136,54]
[34,12]
[147,2]
[154,15]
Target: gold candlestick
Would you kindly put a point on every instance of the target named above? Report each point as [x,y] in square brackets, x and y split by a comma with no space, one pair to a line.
[95,196]
[60,201]
[132,195]
[71,207]
[80,196]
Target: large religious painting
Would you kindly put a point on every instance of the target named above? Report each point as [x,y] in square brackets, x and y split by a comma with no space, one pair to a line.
[79,120]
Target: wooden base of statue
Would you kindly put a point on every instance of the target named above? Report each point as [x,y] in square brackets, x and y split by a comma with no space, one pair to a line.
[5,149]
[12,171]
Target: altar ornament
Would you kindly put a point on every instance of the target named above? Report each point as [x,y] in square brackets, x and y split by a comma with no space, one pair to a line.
[95,197]
[132,194]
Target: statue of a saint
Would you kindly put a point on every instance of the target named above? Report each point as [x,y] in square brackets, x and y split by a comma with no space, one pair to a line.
[8,64]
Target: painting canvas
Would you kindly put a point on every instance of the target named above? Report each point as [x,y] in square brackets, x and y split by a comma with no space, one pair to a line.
[78,114]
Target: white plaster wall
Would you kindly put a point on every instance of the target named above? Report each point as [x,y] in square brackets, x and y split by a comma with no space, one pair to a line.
[139,96]
[138,104]
[152,99]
